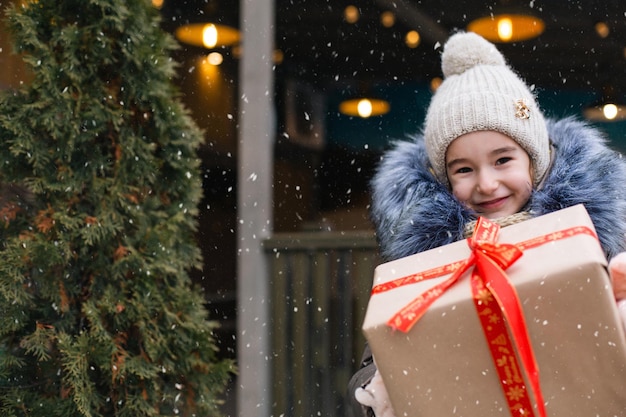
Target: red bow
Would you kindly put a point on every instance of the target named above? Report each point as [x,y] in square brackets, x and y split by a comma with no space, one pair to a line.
[489,282]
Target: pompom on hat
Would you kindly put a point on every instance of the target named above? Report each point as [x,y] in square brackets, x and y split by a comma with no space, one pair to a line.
[480,92]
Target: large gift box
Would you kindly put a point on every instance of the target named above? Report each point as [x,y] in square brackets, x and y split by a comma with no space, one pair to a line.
[469,354]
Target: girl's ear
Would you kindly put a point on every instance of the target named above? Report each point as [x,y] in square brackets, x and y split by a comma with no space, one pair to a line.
[531,167]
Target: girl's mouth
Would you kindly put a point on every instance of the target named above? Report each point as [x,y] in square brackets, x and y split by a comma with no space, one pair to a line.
[492,204]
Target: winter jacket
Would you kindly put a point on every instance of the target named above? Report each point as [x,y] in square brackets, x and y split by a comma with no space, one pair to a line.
[413,212]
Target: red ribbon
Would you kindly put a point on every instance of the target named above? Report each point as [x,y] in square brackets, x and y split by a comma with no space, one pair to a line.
[484,240]
[398,322]
[489,283]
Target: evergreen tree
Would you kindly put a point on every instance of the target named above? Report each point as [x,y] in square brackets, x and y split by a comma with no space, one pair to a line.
[98,315]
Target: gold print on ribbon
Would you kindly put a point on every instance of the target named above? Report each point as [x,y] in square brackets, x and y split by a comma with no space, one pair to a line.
[410,316]
[515,393]
[555,236]
[509,252]
[485,231]
[484,297]
[503,349]
[520,410]
[454,266]
[512,373]
[501,362]
[512,377]
[500,340]
[434,293]
[494,319]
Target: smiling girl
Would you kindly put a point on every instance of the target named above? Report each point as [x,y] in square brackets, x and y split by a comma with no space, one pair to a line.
[487,150]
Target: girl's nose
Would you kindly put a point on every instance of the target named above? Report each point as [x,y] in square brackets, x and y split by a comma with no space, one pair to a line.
[487,182]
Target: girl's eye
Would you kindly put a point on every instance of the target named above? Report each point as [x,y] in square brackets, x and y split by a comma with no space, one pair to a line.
[504,160]
[463,170]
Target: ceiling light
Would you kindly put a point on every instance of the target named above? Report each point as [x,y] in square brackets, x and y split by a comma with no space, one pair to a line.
[387,19]
[435,83]
[602,29]
[208,35]
[364,107]
[215,58]
[351,14]
[278,56]
[507,27]
[608,109]
[412,39]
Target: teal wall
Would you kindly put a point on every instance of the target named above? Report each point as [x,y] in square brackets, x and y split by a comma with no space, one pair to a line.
[409,102]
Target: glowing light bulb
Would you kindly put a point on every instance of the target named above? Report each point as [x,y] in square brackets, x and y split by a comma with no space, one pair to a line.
[364,108]
[412,39]
[609,111]
[388,19]
[209,36]
[505,28]
[351,14]
[215,58]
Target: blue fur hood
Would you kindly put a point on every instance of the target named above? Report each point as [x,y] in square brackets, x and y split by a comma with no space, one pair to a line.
[413,212]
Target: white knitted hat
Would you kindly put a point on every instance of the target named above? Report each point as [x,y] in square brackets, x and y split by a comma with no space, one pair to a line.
[480,92]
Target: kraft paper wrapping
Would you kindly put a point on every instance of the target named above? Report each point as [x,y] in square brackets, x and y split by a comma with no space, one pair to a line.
[443,366]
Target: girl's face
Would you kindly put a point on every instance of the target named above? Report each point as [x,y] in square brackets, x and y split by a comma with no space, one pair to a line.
[489,173]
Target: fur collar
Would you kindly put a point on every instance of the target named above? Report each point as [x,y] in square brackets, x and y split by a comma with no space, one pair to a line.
[413,212]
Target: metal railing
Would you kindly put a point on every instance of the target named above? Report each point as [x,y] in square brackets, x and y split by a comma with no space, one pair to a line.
[319,284]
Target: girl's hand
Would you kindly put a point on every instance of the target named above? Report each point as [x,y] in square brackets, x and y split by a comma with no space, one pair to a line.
[374,395]
[617,271]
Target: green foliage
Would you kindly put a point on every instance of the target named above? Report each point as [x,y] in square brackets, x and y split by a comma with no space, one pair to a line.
[101,183]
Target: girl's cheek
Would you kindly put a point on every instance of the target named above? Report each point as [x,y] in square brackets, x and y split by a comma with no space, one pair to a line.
[457,193]
[457,189]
